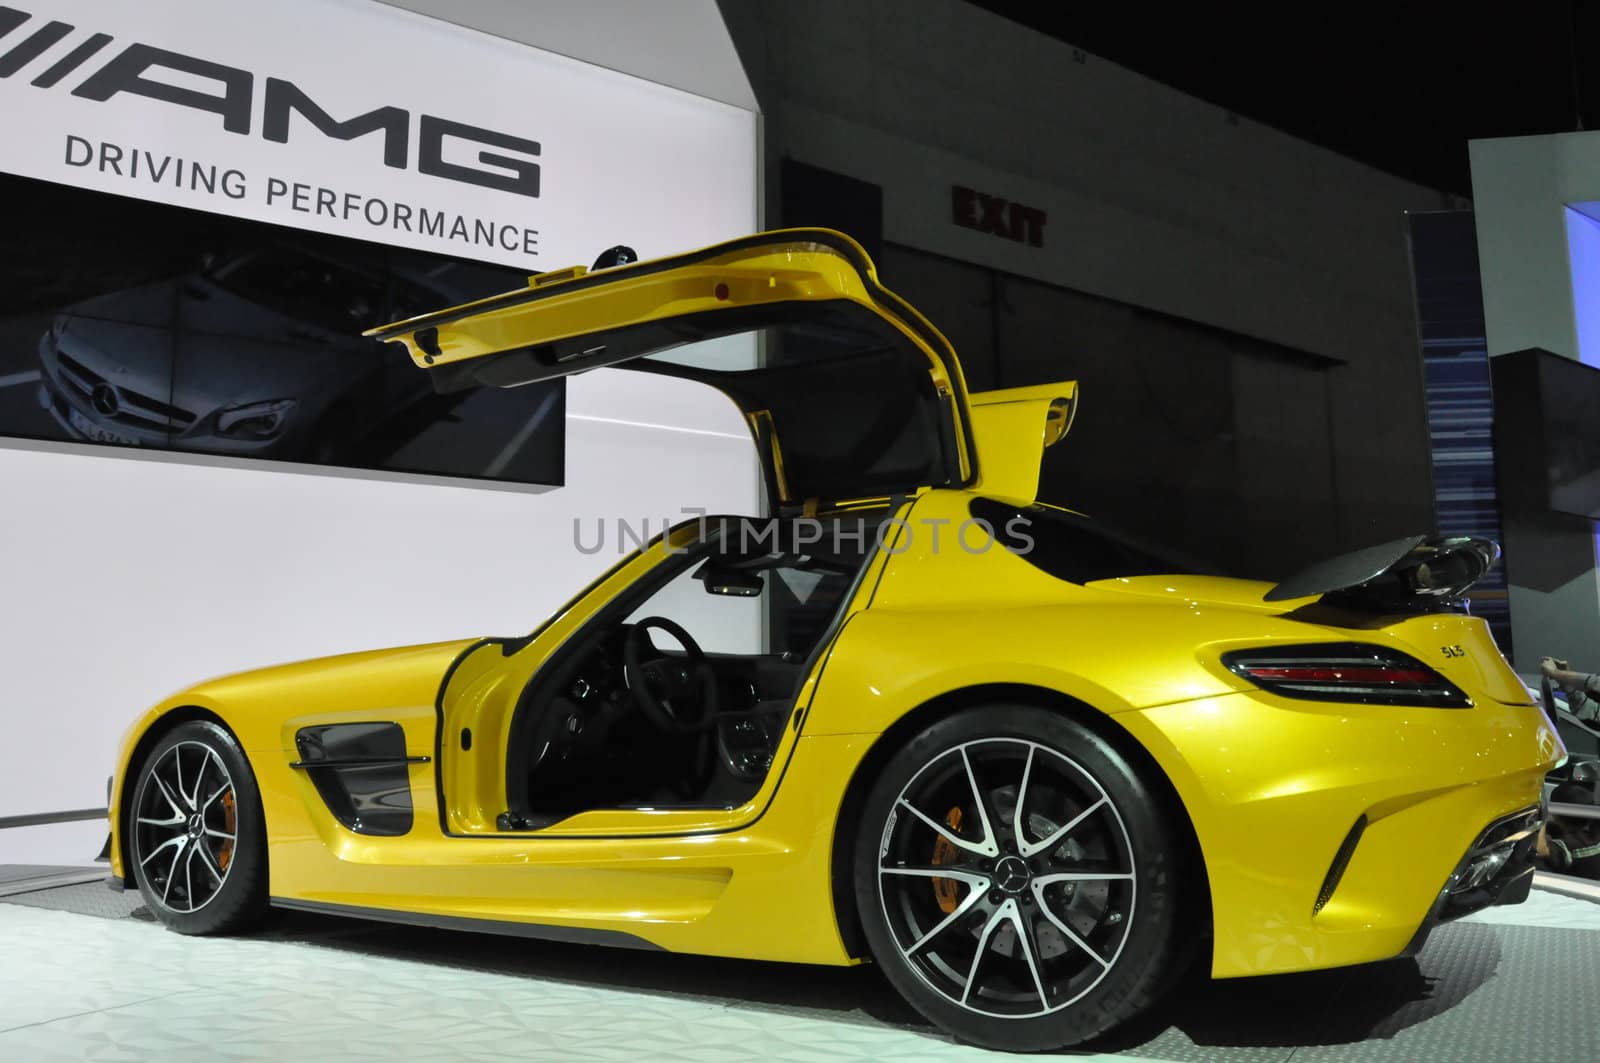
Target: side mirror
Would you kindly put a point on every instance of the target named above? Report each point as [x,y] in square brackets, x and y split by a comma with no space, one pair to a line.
[720,579]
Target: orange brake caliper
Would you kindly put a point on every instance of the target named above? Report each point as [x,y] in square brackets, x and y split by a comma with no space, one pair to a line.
[230,815]
[947,890]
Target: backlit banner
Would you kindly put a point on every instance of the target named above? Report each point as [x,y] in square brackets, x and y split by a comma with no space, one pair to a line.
[352,118]
[390,156]
[143,326]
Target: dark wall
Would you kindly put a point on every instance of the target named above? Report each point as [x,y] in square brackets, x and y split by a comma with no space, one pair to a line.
[1253,457]
[814,197]
[1214,444]
[1547,461]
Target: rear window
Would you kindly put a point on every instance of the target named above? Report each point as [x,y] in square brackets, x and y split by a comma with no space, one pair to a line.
[1073,547]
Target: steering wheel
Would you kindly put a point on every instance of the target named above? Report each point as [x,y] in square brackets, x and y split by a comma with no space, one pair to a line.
[677,697]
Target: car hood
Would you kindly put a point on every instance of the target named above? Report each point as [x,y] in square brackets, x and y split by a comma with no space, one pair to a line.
[125,337]
[151,305]
[231,351]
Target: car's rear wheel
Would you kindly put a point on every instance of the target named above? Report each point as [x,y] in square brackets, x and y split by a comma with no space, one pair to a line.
[1016,881]
[197,841]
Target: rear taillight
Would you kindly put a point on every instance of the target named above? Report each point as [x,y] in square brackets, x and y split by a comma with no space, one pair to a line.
[1346,671]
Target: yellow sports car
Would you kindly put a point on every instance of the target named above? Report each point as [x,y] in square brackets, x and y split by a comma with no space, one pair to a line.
[910,715]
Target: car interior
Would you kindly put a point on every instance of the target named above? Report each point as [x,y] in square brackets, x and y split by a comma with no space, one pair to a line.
[676,694]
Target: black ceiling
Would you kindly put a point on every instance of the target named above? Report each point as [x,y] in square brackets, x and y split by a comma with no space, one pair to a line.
[1402,88]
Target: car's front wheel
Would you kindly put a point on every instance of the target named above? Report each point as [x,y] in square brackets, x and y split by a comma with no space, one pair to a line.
[1016,881]
[197,840]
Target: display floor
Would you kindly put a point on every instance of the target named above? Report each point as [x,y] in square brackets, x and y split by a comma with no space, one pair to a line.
[30,878]
[87,974]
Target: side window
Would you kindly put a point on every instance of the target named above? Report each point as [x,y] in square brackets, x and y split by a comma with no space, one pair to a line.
[1074,548]
[797,600]
[801,604]
[717,623]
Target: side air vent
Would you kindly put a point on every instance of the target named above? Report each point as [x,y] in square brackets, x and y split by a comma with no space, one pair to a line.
[1341,861]
[362,773]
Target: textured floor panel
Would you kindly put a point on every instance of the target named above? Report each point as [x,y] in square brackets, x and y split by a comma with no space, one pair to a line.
[22,878]
[18,872]
[86,898]
[120,987]
[325,989]
[1479,991]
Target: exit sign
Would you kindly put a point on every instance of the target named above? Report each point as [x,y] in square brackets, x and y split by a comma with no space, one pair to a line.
[997,216]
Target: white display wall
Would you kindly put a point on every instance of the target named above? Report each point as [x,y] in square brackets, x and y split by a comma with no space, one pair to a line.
[457,123]
[125,576]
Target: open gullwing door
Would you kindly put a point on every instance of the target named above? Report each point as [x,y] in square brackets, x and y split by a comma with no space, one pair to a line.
[849,393]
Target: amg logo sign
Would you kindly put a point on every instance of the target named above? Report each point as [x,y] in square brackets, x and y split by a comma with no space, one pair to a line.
[506,163]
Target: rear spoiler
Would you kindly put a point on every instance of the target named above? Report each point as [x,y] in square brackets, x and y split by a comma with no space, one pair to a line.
[1404,574]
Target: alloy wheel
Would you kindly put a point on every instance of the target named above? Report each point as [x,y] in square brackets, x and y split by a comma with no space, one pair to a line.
[186,826]
[1007,878]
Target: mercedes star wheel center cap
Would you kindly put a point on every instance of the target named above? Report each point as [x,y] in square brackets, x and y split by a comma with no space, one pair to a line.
[1012,875]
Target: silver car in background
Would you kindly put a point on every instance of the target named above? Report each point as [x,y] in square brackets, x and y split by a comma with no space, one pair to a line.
[259,356]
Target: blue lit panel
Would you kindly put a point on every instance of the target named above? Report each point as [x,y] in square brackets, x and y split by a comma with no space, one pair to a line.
[1583,255]
[1455,357]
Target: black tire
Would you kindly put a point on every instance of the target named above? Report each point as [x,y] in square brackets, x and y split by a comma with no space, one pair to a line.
[213,884]
[1060,935]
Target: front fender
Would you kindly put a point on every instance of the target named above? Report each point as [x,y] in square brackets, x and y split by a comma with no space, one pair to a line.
[255,706]
[139,736]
